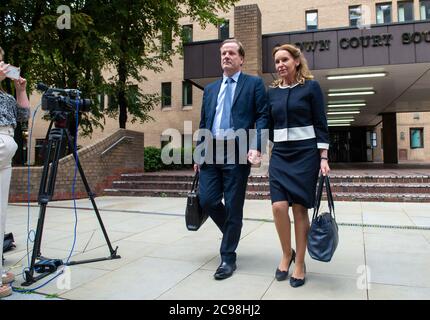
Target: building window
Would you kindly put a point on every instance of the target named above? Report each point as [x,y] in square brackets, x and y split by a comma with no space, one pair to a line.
[187,33]
[102,101]
[166,40]
[166,94]
[187,93]
[39,152]
[416,135]
[383,13]
[112,102]
[354,16]
[405,11]
[133,93]
[425,9]
[224,30]
[312,20]
[373,140]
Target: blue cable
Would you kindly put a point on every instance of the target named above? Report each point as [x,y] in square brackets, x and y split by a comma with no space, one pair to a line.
[74,203]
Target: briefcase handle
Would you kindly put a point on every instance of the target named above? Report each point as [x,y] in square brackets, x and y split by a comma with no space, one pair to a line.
[195,182]
[321,181]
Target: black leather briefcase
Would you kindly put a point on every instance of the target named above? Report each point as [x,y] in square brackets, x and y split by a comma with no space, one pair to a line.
[194,215]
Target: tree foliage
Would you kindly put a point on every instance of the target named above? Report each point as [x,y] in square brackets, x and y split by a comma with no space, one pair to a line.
[122,36]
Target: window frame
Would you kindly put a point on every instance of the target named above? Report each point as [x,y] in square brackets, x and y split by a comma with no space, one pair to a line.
[380,4]
[189,27]
[349,14]
[421,130]
[411,3]
[220,33]
[187,84]
[428,11]
[163,96]
[102,101]
[308,27]
[166,41]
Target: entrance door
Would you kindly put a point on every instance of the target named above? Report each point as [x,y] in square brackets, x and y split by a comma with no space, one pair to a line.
[348,145]
[339,146]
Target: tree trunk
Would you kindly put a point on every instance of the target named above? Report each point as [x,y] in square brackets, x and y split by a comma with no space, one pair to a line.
[122,77]
[122,101]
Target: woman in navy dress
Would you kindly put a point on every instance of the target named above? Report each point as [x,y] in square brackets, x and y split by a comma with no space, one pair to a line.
[299,132]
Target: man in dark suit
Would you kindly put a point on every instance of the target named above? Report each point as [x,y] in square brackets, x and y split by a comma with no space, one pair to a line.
[232,107]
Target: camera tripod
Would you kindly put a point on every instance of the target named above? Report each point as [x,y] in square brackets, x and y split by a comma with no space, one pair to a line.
[56,138]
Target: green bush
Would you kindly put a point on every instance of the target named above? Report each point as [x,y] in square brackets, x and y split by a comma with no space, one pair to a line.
[180,166]
[152,159]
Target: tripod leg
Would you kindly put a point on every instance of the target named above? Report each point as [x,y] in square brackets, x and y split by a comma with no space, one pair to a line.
[46,192]
[91,196]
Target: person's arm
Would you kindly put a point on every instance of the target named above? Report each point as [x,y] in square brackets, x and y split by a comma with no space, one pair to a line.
[320,125]
[271,123]
[261,121]
[21,93]
[23,104]
[201,125]
[262,115]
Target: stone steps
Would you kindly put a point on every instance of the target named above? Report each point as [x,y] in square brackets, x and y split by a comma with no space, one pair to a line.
[265,195]
[333,178]
[344,187]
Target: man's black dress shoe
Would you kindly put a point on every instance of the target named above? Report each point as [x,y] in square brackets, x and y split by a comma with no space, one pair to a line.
[225,270]
[282,275]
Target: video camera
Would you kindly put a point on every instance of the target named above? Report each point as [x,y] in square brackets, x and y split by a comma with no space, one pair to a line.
[54,99]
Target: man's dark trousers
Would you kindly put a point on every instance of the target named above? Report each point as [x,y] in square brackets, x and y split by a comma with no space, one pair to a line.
[228,181]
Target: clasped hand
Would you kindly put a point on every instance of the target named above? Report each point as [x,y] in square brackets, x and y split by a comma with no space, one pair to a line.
[254,156]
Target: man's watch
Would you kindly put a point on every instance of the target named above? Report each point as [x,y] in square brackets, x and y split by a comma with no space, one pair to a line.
[324,158]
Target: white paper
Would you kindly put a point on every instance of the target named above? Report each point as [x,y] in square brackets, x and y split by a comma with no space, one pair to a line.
[13,72]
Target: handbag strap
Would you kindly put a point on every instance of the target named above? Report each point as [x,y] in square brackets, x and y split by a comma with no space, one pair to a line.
[318,197]
[195,182]
[321,181]
[329,195]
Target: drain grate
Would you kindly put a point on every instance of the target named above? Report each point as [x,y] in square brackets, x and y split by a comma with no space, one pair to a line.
[345,224]
[361,225]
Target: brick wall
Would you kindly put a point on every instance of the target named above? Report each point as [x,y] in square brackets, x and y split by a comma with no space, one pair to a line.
[101,167]
[247,26]
[406,121]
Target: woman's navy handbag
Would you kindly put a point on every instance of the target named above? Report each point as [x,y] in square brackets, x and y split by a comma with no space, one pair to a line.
[194,215]
[323,235]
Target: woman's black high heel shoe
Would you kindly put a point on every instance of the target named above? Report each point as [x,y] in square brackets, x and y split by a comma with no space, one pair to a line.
[294,282]
[282,275]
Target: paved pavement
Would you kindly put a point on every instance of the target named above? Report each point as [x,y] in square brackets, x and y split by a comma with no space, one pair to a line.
[383,253]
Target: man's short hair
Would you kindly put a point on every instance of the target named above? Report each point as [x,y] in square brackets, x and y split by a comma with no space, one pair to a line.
[239,44]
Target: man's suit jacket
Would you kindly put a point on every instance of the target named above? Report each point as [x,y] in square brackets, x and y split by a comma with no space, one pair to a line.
[248,111]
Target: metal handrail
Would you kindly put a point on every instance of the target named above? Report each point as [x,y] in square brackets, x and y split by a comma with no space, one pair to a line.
[115,144]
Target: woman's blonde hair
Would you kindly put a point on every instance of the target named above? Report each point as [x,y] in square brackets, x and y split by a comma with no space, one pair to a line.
[302,70]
